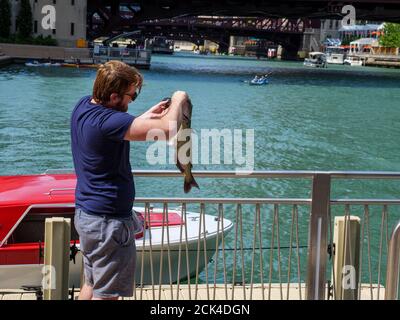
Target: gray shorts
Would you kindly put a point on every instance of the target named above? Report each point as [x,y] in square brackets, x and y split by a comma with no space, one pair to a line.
[109,253]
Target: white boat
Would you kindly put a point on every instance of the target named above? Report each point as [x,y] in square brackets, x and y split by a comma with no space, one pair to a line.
[353,61]
[168,242]
[335,55]
[316,59]
[40,64]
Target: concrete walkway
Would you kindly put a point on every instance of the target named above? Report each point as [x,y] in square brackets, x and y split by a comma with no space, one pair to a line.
[219,292]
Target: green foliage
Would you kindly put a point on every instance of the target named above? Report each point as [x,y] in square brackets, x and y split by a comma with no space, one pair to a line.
[45,41]
[39,40]
[391,36]
[24,20]
[5,18]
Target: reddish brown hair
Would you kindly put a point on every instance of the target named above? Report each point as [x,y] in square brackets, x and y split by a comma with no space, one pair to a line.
[114,77]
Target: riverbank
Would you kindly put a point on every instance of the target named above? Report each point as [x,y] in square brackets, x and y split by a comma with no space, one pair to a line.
[5,60]
[74,57]
[24,52]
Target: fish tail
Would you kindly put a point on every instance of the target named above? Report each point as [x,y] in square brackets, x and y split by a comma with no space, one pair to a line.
[189,181]
[187,186]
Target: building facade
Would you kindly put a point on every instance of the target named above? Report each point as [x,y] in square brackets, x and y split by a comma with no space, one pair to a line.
[70,20]
[314,38]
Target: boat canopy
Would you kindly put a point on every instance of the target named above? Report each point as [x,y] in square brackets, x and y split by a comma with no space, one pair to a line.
[18,194]
[316,54]
[332,42]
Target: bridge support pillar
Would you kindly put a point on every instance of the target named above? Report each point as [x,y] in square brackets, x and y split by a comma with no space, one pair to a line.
[289,53]
[223,47]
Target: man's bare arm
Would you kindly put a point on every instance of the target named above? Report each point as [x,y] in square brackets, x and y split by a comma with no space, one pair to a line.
[141,126]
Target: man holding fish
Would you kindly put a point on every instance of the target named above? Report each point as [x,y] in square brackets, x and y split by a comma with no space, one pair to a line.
[101,130]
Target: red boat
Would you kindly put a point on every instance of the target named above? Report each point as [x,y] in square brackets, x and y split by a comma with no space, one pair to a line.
[26,201]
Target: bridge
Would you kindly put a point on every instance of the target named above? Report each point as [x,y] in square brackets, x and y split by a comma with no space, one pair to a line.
[286,32]
[282,22]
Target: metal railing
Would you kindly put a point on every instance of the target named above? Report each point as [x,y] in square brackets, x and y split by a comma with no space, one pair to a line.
[392,273]
[277,247]
[268,223]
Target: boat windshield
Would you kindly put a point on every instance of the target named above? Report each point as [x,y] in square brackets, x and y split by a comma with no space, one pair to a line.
[334,50]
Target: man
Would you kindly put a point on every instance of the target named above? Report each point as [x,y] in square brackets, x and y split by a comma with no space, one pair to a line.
[101,130]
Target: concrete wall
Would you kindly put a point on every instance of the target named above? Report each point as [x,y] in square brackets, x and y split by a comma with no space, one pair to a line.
[67,12]
[24,51]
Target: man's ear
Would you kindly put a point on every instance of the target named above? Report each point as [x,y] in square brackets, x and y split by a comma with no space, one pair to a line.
[114,97]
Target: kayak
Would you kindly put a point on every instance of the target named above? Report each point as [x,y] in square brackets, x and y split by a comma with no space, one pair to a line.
[258,82]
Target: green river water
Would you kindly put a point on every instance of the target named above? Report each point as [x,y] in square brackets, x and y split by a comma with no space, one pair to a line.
[339,118]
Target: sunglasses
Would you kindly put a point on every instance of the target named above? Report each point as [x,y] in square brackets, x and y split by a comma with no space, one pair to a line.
[135,95]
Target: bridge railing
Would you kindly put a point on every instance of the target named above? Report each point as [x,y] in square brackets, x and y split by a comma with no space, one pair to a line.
[276,248]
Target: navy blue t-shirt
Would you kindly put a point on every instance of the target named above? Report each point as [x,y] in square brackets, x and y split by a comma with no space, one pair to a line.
[101,159]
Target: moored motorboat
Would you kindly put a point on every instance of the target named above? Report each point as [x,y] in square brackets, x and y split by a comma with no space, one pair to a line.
[172,245]
[353,61]
[316,59]
[335,55]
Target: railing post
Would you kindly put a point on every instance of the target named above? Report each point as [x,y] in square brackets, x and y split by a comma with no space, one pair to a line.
[317,237]
[56,258]
[392,271]
[346,237]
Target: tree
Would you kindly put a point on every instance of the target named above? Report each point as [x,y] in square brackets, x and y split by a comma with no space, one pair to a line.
[24,20]
[391,35]
[5,18]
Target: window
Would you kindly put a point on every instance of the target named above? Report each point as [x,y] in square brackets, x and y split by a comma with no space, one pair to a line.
[72,28]
[54,1]
[35,27]
[72,2]
[54,31]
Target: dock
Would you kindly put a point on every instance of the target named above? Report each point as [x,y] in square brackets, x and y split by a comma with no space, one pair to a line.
[380,60]
[4,59]
[21,53]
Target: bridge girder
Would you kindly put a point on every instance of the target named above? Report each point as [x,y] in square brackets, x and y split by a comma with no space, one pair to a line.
[379,10]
